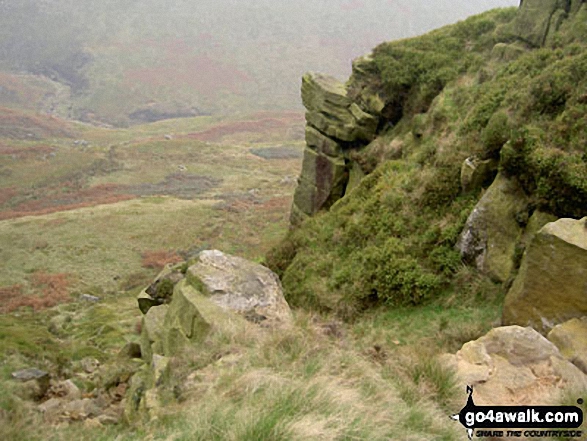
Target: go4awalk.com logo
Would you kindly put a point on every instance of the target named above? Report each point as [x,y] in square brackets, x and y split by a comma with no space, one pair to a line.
[520,421]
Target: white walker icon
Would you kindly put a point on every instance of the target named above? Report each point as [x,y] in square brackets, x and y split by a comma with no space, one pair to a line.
[518,417]
[457,416]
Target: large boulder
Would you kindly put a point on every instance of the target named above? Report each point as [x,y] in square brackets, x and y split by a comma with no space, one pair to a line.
[571,339]
[537,18]
[494,227]
[241,286]
[515,366]
[551,286]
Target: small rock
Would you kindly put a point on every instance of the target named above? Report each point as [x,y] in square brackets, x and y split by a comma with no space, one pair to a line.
[90,365]
[36,383]
[168,137]
[30,374]
[31,390]
[66,389]
[117,393]
[51,407]
[92,423]
[81,409]
[89,298]
[107,420]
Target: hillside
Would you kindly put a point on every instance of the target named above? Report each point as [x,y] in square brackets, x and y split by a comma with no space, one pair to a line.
[491,95]
[136,61]
[442,196]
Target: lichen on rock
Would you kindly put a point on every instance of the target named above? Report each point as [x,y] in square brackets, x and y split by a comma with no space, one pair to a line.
[551,286]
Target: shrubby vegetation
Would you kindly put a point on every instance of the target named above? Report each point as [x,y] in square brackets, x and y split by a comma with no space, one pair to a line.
[391,240]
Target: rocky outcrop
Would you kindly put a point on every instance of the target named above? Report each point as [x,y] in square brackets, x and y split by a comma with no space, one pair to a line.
[537,20]
[551,286]
[515,366]
[334,124]
[571,339]
[494,227]
[241,286]
[215,293]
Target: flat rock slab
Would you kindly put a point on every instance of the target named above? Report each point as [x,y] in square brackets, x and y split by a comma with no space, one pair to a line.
[242,286]
[30,374]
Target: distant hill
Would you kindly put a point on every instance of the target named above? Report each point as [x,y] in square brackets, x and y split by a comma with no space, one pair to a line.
[141,60]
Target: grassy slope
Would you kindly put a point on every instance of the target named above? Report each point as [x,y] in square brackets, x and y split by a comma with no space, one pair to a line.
[162,194]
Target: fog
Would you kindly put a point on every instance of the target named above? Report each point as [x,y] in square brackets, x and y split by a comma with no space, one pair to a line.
[215,56]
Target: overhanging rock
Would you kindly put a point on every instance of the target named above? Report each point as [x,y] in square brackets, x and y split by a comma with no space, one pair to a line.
[334,123]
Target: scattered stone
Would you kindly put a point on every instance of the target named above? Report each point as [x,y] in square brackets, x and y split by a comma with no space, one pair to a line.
[36,383]
[514,366]
[81,409]
[92,423]
[550,286]
[89,365]
[117,393]
[50,407]
[113,375]
[65,389]
[108,420]
[89,298]
[25,375]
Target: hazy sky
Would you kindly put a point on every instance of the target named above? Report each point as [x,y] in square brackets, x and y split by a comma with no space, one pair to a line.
[214,55]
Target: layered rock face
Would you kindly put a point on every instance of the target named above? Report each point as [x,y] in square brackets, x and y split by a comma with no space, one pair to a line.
[334,125]
[551,286]
[540,19]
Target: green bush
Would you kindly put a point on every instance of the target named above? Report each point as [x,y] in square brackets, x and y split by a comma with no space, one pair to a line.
[495,135]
